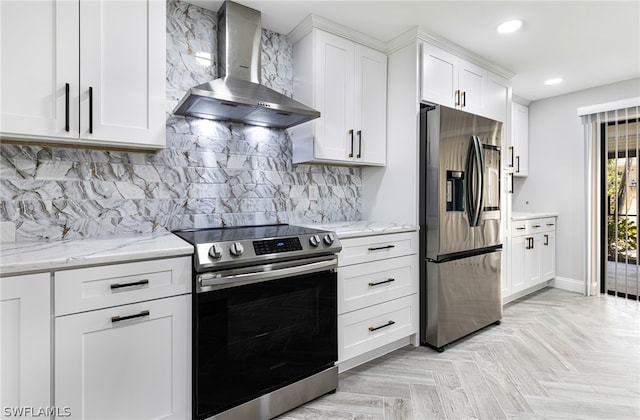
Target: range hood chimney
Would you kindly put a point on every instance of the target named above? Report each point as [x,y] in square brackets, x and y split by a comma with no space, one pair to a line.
[238,95]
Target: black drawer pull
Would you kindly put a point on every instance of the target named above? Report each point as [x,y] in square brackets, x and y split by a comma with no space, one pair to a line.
[378,248]
[135,283]
[520,228]
[388,324]
[536,226]
[66,107]
[124,318]
[382,282]
[550,224]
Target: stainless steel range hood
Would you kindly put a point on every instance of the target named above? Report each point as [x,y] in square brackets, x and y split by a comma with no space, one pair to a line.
[238,95]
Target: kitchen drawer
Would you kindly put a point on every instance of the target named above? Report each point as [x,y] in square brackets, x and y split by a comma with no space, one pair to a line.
[118,284]
[535,226]
[549,224]
[367,284]
[373,327]
[519,228]
[377,247]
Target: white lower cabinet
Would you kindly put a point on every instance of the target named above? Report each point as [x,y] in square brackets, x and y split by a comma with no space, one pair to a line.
[533,253]
[25,343]
[377,295]
[130,361]
[123,340]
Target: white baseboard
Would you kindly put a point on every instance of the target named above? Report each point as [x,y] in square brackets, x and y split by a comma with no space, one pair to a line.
[571,285]
[521,293]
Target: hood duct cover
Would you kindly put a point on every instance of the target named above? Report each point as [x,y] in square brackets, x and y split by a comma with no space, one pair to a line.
[238,95]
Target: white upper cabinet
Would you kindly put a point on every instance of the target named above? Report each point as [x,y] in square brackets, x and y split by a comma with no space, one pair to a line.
[347,83]
[87,72]
[448,80]
[519,150]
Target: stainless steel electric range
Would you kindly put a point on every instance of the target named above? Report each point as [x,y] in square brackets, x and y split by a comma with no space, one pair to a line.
[264,319]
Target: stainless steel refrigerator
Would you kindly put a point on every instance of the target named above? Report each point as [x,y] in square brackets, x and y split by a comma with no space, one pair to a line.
[460,241]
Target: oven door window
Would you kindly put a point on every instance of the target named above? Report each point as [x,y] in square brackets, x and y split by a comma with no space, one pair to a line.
[255,338]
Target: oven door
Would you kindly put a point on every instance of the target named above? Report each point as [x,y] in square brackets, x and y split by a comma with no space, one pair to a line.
[253,335]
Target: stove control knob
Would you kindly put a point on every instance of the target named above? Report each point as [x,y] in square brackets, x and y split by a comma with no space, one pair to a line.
[215,251]
[236,249]
[314,240]
[328,239]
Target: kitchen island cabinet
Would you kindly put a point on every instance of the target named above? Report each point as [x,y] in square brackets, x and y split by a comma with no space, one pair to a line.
[84,72]
[347,82]
[25,341]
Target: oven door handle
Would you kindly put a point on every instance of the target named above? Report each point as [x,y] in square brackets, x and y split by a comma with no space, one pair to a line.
[214,281]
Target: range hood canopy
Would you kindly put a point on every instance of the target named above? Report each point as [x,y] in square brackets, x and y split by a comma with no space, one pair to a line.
[238,95]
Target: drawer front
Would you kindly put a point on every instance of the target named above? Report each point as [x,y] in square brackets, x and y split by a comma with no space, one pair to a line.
[377,247]
[519,228]
[373,327]
[118,284]
[535,226]
[363,285]
[549,224]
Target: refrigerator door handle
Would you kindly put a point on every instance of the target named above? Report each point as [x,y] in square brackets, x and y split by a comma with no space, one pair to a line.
[475,169]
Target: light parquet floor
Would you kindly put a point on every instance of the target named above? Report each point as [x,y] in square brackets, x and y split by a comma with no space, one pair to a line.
[556,355]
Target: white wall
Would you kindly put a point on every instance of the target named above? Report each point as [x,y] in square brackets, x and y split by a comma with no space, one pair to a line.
[556,180]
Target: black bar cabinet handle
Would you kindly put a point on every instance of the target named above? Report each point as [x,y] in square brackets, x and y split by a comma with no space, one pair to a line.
[521,228]
[546,240]
[359,144]
[124,318]
[351,134]
[536,226]
[518,164]
[90,110]
[457,97]
[378,248]
[510,191]
[66,107]
[388,324]
[382,282]
[464,98]
[135,283]
[511,150]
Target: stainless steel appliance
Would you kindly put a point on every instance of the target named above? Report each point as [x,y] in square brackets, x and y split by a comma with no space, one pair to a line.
[264,319]
[238,95]
[459,223]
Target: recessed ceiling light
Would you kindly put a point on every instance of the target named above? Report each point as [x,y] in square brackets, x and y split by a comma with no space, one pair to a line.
[555,81]
[509,26]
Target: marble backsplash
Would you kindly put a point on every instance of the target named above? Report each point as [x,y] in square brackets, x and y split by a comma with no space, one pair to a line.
[210,173]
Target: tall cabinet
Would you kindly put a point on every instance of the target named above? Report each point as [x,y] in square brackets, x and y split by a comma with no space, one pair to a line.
[84,72]
[346,81]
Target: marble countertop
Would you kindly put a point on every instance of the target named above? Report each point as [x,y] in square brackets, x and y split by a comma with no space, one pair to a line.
[30,257]
[529,215]
[362,228]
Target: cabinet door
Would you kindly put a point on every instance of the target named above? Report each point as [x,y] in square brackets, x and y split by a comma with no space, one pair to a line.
[137,368]
[25,341]
[533,261]
[122,72]
[498,99]
[39,55]
[439,76]
[370,105]
[520,128]
[334,97]
[471,83]
[548,256]
[518,255]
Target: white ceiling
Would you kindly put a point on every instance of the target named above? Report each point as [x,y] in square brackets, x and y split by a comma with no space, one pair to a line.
[587,43]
